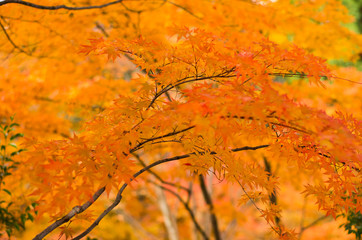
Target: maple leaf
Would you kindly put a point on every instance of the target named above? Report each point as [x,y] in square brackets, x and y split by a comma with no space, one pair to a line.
[213,91]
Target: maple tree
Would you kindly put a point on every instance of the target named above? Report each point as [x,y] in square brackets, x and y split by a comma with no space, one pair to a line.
[202,89]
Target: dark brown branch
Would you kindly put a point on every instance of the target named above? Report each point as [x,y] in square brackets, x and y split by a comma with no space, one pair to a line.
[138,146]
[273,195]
[101,28]
[78,209]
[246,148]
[11,41]
[119,194]
[188,80]
[327,156]
[188,209]
[75,211]
[208,201]
[183,8]
[57,7]
[159,178]
[291,127]
[296,127]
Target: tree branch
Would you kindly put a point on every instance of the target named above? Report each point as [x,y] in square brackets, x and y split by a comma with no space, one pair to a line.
[57,7]
[10,40]
[315,222]
[256,206]
[159,178]
[78,209]
[119,194]
[225,74]
[184,9]
[159,137]
[189,210]
[208,201]
[75,211]
[273,195]
[168,217]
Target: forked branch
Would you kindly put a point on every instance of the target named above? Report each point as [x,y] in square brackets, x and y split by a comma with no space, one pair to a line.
[78,209]
[75,211]
[10,40]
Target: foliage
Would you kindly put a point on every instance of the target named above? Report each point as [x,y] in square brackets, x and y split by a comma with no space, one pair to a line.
[202,88]
[11,218]
[353,224]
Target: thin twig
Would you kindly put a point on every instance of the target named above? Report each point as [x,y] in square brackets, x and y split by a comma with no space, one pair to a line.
[256,206]
[315,222]
[183,8]
[138,146]
[11,41]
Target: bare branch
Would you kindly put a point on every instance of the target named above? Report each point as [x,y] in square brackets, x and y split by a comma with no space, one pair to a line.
[273,195]
[159,137]
[189,210]
[208,201]
[119,194]
[224,74]
[78,209]
[160,179]
[168,217]
[75,211]
[184,9]
[57,7]
[10,40]
[315,222]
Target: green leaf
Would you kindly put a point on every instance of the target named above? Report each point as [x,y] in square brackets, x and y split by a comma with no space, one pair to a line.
[9,231]
[13,153]
[16,152]
[16,136]
[7,191]
[17,226]
[13,145]
[7,159]
[30,217]
[5,135]
[14,125]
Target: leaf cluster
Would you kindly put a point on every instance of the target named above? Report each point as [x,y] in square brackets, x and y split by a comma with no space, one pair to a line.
[11,217]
